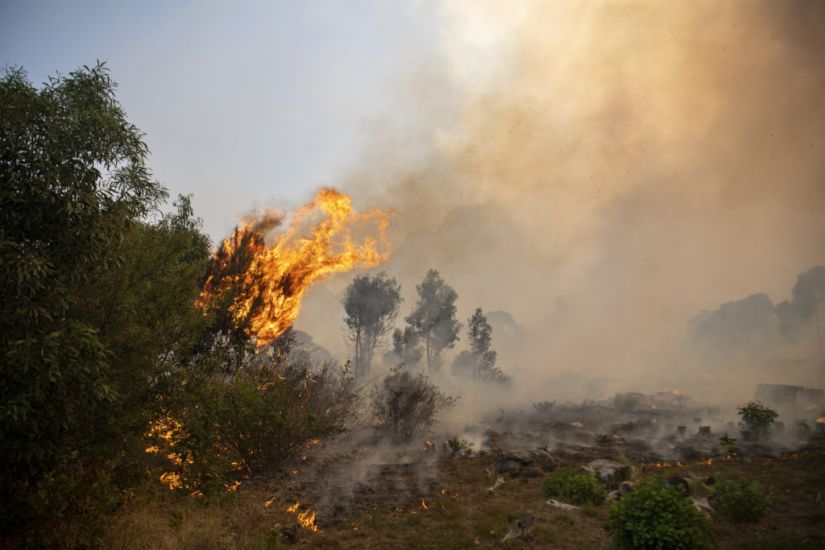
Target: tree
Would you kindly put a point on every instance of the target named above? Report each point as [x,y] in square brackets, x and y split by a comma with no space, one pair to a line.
[96,305]
[480,361]
[434,317]
[406,346]
[371,304]
[757,417]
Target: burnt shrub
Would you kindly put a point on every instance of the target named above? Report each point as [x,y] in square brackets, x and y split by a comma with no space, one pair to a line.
[407,403]
[573,486]
[655,515]
[740,501]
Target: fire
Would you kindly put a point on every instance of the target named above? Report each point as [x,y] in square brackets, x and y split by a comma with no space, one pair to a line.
[306,519]
[424,505]
[266,282]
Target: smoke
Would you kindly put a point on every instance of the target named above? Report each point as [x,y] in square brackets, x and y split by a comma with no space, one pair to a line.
[603,172]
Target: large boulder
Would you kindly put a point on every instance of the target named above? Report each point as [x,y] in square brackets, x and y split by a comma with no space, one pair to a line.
[526,463]
[608,471]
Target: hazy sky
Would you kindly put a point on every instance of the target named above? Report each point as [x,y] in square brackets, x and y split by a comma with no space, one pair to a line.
[241,105]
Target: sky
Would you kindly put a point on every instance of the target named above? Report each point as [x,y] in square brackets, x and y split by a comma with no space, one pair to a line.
[604,170]
[243,106]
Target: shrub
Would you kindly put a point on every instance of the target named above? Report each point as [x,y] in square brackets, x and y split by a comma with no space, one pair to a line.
[406,403]
[740,501]
[655,515]
[250,423]
[757,417]
[729,443]
[573,486]
[457,444]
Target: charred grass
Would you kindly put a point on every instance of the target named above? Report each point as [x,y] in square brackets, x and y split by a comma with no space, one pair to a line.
[464,515]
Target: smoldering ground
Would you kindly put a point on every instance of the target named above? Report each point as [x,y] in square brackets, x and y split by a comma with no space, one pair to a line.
[604,172]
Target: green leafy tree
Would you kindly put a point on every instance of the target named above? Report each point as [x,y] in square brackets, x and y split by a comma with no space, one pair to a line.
[434,317]
[371,304]
[757,417]
[96,305]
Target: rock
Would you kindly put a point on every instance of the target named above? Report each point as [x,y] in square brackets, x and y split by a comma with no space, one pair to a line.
[563,505]
[625,487]
[496,485]
[520,528]
[526,463]
[614,496]
[608,471]
[703,506]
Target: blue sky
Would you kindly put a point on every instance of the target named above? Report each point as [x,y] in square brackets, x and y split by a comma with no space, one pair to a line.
[243,106]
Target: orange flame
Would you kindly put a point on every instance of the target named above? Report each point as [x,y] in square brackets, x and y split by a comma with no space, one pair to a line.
[306,519]
[268,281]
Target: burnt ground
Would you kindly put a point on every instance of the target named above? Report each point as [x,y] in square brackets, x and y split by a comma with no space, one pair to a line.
[365,493]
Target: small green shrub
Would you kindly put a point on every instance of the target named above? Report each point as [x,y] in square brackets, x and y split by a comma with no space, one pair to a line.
[740,501]
[655,515]
[729,443]
[457,444]
[757,417]
[574,486]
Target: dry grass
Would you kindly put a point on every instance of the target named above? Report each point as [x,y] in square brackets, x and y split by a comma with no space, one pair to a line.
[464,515]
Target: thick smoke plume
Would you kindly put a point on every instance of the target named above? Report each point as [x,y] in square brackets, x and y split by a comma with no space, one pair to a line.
[604,172]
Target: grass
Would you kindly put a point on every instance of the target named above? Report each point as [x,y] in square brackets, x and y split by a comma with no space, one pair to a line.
[466,516]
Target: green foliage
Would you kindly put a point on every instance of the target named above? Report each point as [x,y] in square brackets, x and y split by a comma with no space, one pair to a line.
[729,443]
[457,444]
[407,403]
[434,317]
[91,296]
[570,485]
[253,422]
[740,500]
[757,417]
[371,304]
[655,515]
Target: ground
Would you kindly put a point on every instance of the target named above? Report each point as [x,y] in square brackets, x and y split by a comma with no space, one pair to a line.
[450,507]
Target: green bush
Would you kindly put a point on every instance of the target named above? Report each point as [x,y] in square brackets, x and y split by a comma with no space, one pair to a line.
[740,501]
[573,486]
[655,515]
[248,424]
[757,417]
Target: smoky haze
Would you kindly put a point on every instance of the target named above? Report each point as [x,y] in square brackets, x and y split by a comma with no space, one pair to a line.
[604,172]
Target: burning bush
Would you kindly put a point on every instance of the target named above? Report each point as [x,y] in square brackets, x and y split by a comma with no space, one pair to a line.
[740,501]
[655,515]
[573,486]
[251,422]
[407,403]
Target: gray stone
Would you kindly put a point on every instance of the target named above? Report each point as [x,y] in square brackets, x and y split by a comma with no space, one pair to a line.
[526,463]
[519,528]
[608,471]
